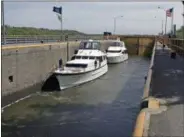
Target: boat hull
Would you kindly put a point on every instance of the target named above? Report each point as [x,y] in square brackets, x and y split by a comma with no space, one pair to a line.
[71,80]
[117,59]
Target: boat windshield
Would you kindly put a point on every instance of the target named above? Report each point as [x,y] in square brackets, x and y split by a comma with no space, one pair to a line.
[89,45]
[84,57]
[77,65]
[114,51]
[91,57]
[77,57]
[115,44]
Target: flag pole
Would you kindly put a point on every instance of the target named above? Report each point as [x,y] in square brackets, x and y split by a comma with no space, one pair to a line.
[165,24]
[62,25]
[162,27]
[172,21]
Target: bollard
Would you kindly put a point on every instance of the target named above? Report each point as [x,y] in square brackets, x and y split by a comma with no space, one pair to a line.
[173,55]
[60,63]
[163,47]
[145,78]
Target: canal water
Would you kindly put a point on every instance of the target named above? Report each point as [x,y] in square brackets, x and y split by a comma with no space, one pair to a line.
[105,107]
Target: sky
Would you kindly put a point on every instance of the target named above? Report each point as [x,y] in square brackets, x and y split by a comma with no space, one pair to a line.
[95,17]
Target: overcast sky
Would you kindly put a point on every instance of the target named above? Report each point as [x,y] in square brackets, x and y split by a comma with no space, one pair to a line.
[94,17]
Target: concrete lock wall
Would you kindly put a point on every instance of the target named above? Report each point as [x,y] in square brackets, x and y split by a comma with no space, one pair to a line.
[25,66]
[132,44]
[145,45]
[138,45]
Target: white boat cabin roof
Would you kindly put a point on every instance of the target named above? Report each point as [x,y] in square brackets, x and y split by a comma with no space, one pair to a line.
[88,52]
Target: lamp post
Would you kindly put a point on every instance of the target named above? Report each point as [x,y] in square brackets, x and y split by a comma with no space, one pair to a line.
[162,25]
[2,22]
[165,20]
[115,22]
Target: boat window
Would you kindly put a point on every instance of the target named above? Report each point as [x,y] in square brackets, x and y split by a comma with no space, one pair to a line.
[114,51]
[84,57]
[96,45]
[92,57]
[85,45]
[100,58]
[89,45]
[115,44]
[77,65]
[77,57]
[73,58]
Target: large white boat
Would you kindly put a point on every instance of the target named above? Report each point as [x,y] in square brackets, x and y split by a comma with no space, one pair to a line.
[116,52]
[88,63]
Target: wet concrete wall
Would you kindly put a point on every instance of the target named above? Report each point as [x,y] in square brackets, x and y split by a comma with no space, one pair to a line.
[25,67]
[138,45]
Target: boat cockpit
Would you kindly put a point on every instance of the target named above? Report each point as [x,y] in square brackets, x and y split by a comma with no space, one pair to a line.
[90,44]
[117,44]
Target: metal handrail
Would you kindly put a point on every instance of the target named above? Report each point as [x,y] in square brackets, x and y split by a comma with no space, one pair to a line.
[50,38]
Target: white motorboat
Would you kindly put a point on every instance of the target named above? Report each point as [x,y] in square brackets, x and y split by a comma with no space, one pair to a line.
[116,52]
[87,64]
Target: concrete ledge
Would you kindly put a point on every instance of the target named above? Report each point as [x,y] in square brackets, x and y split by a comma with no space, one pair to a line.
[143,118]
[149,76]
[150,103]
[34,45]
[139,126]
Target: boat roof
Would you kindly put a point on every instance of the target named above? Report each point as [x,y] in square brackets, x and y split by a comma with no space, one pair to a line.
[80,61]
[116,48]
[88,52]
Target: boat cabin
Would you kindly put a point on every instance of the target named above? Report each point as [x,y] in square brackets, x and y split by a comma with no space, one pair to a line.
[116,47]
[90,44]
[117,44]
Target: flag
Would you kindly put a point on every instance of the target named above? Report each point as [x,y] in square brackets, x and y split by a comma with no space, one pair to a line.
[57,10]
[169,12]
[59,17]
